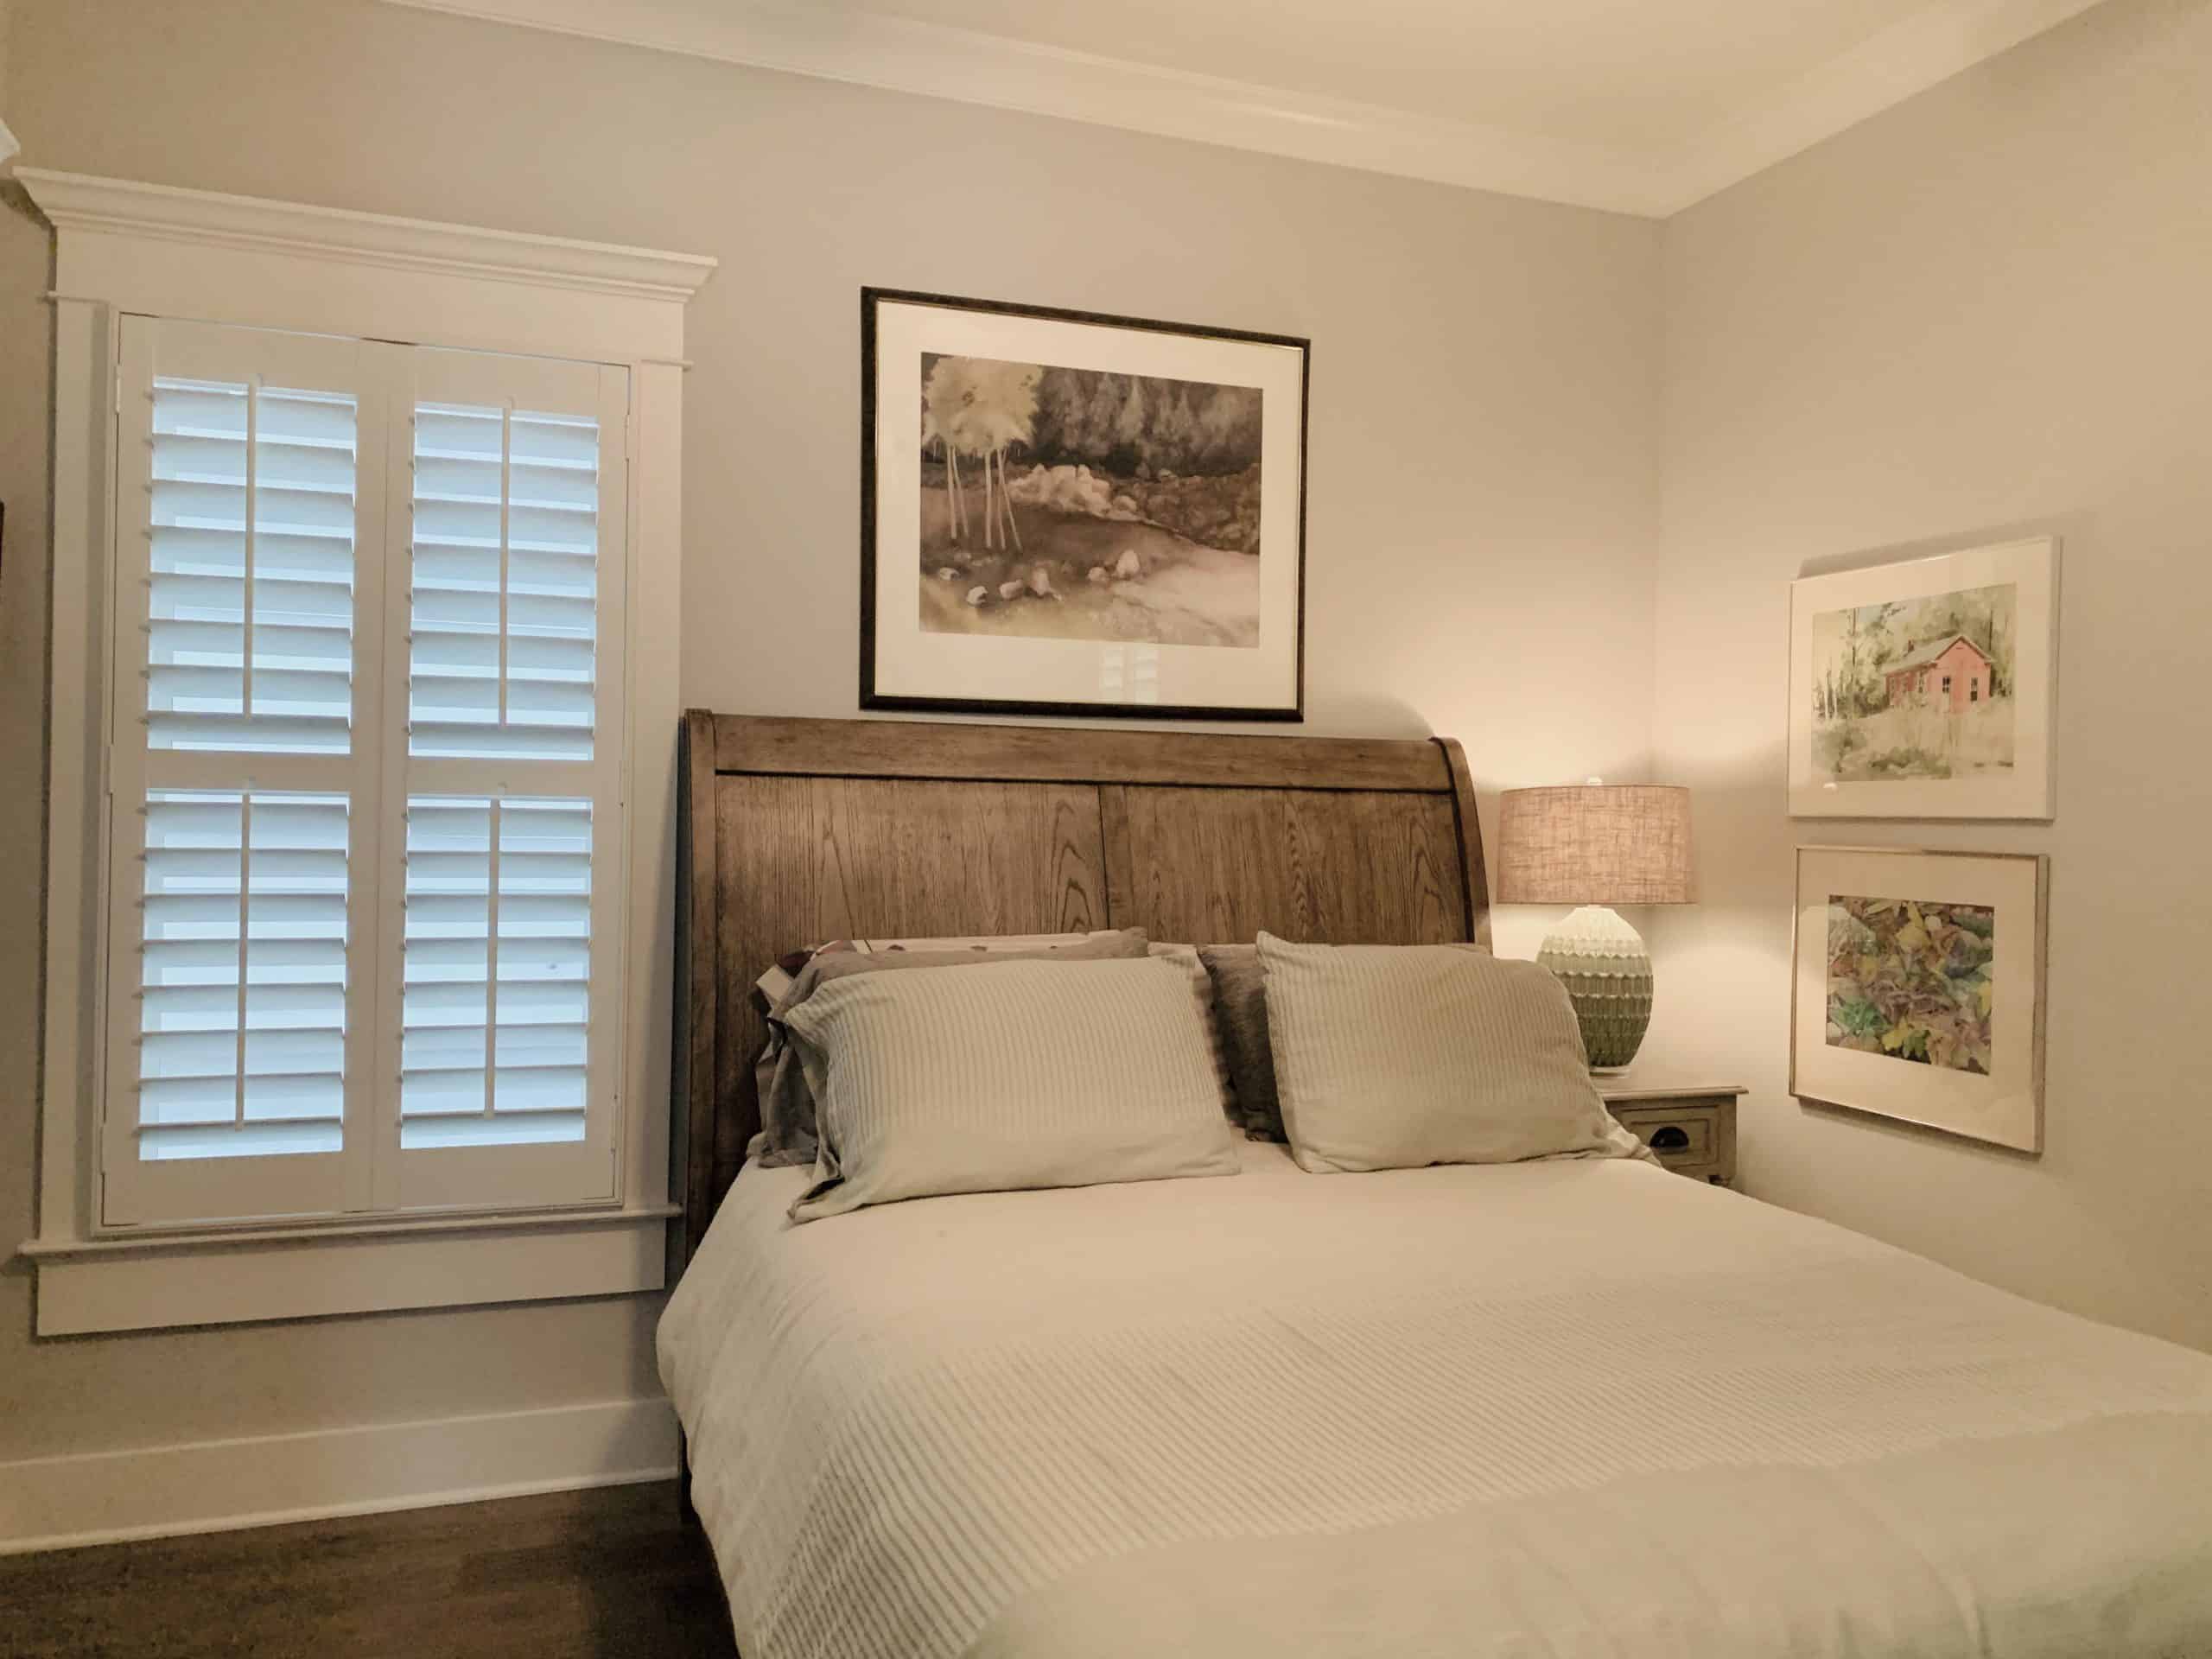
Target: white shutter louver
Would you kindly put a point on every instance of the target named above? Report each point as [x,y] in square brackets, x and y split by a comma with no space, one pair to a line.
[249,638]
[242,1001]
[505,583]
[497,971]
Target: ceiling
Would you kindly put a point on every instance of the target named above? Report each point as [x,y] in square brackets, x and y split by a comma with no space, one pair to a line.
[1642,106]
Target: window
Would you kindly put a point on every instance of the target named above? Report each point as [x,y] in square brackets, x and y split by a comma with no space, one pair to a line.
[366,853]
[1947,685]
[1974,690]
[361,778]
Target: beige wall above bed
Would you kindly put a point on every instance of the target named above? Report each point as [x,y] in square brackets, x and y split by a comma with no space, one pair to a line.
[1483,487]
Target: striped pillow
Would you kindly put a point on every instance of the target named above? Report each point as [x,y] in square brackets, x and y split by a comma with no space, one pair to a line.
[1392,1057]
[1008,1075]
[786,1135]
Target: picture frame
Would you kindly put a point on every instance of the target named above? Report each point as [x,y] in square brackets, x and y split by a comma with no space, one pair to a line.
[1926,688]
[1917,988]
[1071,513]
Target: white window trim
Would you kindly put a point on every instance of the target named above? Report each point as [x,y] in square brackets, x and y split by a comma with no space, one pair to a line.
[124,247]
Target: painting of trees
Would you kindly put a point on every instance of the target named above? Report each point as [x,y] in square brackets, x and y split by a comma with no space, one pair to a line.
[1114,506]
[1134,425]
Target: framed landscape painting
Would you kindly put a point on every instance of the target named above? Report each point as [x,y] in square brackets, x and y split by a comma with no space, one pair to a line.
[1926,690]
[1918,989]
[1063,513]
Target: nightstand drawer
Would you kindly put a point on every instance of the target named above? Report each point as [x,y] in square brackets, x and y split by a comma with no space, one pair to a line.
[1675,1136]
[1690,1128]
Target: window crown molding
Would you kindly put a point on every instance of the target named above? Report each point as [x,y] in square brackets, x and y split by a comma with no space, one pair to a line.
[77,201]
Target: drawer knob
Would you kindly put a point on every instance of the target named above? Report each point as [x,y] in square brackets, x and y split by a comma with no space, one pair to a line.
[1669,1139]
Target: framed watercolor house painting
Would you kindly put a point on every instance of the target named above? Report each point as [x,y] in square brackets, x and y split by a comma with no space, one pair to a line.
[1063,513]
[1926,690]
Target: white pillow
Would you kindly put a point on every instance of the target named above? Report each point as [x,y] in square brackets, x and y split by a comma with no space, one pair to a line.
[1007,1075]
[1391,1057]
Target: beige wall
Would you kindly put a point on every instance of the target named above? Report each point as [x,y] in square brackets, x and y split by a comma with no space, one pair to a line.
[1484,484]
[1984,311]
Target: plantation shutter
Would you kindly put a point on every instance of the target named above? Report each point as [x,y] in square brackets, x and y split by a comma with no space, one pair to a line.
[505,859]
[249,560]
[365,780]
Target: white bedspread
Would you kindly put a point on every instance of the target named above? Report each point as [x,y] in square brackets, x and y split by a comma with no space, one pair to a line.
[1566,1408]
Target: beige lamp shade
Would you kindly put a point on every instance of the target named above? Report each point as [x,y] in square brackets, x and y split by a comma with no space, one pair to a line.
[1595,844]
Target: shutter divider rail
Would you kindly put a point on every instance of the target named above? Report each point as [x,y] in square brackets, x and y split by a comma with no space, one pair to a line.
[491,957]
[245,890]
[246,595]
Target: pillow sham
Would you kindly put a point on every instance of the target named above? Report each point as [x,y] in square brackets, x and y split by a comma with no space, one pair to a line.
[1240,1008]
[1393,1057]
[1004,1075]
[776,981]
[787,1133]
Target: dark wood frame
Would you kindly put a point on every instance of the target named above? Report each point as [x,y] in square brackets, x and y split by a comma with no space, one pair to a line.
[871,698]
[793,831]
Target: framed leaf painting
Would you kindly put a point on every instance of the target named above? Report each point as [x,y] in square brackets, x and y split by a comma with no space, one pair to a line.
[1065,513]
[1918,989]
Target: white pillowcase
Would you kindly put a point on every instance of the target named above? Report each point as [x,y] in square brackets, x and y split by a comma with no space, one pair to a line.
[1392,1057]
[1007,1075]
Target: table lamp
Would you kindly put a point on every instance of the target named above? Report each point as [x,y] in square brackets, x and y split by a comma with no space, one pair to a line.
[1596,845]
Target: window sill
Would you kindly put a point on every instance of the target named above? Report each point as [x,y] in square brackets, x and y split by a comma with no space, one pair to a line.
[233,1276]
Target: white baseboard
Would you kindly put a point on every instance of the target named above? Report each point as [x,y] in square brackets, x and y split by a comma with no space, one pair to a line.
[213,1485]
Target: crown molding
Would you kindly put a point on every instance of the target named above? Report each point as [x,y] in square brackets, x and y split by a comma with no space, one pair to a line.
[76,201]
[1913,54]
[900,54]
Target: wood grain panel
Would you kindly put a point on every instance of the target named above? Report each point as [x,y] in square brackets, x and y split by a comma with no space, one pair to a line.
[914,859]
[767,901]
[806,859]
[1214,864]
[1474,879]
[910,748]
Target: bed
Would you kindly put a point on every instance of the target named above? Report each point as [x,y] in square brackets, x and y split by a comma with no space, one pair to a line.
[1564,1407]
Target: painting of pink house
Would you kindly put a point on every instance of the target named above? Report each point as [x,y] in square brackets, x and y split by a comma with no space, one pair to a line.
[1923,688]
[1951,673]
[1918,687]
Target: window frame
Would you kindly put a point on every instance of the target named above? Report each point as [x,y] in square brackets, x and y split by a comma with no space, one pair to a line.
[128,248]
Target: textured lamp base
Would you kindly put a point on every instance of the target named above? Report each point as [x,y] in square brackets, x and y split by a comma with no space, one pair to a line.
[1607,972]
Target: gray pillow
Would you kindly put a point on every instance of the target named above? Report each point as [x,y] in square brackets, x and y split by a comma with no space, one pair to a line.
[1007,1075]
[1392,1057]
[787,1132]
[1240,1009]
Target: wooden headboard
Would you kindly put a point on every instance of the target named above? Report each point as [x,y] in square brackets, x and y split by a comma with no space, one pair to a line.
[794,831]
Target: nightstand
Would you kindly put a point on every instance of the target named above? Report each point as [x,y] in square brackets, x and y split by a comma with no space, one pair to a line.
[1690,1129]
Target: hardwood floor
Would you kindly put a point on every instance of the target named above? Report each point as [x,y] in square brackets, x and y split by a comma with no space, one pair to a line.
[600,1574]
